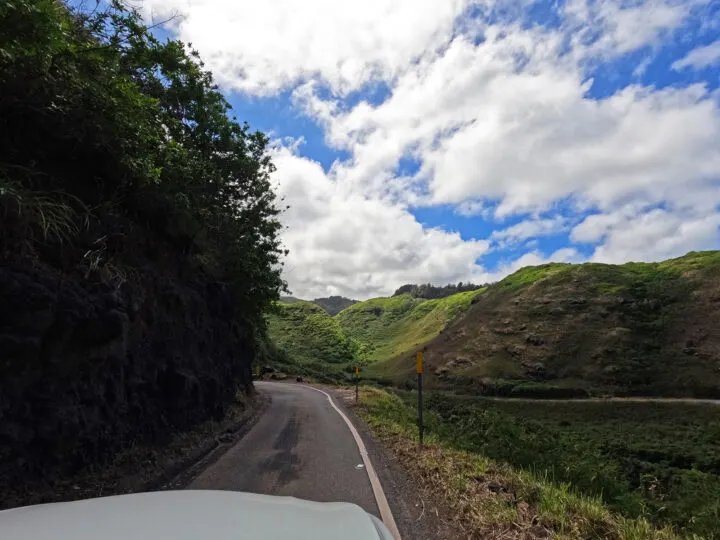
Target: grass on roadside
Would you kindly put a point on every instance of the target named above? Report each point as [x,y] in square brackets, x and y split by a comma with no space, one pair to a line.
[490,499]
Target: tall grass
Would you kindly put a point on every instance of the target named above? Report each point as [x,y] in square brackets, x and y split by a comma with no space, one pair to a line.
[53,214]
[489,498]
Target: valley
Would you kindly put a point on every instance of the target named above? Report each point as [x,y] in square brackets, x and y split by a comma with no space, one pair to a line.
[553,331]
[589,392]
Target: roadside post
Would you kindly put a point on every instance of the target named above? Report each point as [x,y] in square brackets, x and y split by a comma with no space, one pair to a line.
[419,369]
[357,384]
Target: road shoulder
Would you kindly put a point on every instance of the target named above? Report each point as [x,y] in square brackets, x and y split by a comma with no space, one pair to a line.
[417,514]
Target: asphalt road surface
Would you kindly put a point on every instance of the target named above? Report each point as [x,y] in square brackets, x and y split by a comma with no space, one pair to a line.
[300,447]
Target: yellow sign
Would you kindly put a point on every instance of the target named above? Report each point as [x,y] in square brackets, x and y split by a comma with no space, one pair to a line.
[357,370]
[418,361]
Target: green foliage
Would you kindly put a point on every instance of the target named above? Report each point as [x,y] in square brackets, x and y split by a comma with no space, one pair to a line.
[55,216]
[531,274]
[308,334]
[562,330]
[695,261]
[470,443]
[429,291]
[361,334]
[101,122]
[334,304]
[654,460]
[388,327]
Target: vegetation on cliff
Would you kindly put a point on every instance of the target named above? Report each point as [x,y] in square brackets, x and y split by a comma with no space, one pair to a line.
[309,332]
[100,120]
[139,239]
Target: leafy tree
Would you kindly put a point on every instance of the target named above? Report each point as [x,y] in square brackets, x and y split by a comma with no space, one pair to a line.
[429,291]
[102,124]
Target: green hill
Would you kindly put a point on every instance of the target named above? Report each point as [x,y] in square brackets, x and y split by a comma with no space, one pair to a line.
[562,329]
[547,331]
[306,332]
[334,304]
[311,342]
[387,327]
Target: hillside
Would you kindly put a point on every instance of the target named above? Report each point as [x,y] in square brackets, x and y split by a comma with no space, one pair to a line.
[309,333]
[332,304]
[310,341]
[561,329]
[387,327]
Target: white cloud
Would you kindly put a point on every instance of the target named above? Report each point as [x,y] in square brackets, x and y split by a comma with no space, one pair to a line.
[611,27]
[594,227]
[510,120]
[700,58]
[343,243]
[656,235]
[264,47]
[531,228]
[474,208]
[500,118]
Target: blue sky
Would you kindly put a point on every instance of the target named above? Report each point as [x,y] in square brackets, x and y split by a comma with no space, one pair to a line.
[448,140]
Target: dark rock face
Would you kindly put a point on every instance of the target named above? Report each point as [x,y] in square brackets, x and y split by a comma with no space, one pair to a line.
[88,368]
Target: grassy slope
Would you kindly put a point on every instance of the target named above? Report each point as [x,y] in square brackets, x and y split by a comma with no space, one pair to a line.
[315,344]
[645,328]
[385,328]
[657,460]
[308,334]
[334,304]
[489,498]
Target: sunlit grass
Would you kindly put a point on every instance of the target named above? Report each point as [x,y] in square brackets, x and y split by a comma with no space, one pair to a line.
[490,499]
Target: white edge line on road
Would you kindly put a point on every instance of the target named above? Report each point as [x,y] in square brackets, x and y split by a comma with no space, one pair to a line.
[380,499]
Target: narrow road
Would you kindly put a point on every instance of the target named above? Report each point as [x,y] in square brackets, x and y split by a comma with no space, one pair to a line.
[300,447]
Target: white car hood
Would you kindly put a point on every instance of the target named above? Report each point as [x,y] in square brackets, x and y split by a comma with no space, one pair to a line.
[191,515]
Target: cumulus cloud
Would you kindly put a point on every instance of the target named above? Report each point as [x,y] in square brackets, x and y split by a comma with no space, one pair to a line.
[510,120]
[700,57]
[343,243]
[650,234]
[499,117]
[531,228]
[610,27]
[264,47]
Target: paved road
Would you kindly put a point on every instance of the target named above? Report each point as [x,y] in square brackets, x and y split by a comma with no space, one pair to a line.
[299,447]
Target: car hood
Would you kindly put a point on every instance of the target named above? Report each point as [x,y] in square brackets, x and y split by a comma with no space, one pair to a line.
[191,515]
